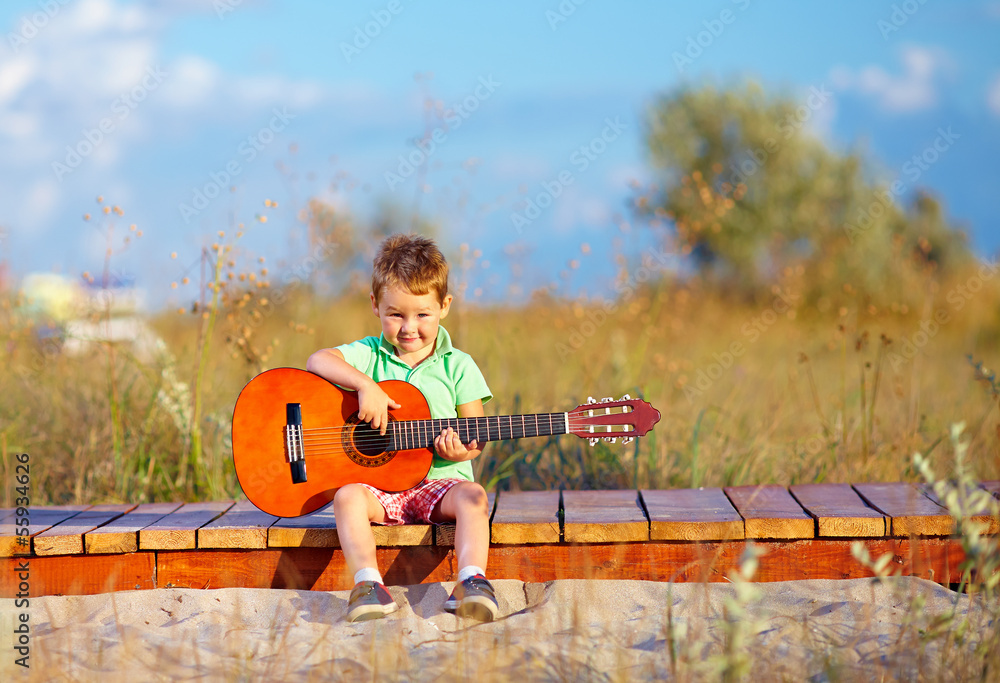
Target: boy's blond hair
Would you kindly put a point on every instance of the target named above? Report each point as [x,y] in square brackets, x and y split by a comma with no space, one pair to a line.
[410,262]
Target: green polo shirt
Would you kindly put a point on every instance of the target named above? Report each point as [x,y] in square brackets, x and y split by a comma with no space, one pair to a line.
[448,378]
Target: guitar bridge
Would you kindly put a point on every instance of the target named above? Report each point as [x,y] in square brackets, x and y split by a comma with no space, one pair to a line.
[295,453]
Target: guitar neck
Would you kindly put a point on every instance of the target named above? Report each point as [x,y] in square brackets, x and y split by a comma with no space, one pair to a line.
[407,434]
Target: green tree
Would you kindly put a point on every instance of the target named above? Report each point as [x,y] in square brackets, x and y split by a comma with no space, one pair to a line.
[756,199]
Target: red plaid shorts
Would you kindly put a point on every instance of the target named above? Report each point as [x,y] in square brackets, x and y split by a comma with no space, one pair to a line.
[414,505]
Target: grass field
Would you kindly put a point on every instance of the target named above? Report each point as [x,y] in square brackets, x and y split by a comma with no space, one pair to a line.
[773,388]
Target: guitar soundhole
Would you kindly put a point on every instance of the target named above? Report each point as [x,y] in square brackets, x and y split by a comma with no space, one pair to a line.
[364,445]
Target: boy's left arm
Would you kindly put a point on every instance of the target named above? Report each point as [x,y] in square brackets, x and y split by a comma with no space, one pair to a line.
[449,446]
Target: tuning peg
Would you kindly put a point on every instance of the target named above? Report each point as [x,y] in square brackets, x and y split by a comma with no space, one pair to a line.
[607,399]
[590,399]
[626,397]
[611,439]
[627,439]
[593,440]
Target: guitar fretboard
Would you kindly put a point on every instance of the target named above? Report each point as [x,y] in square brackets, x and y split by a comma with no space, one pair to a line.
[408,434]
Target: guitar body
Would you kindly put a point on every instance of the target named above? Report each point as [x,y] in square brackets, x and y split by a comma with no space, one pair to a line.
[340,449]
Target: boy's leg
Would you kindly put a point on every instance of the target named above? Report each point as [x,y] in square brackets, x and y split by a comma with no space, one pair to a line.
[466,503]
[474,596]
[355,508]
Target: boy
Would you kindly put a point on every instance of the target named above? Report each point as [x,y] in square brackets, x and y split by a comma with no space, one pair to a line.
[410,297]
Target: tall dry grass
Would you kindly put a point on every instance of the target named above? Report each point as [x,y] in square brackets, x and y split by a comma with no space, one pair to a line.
[775,388]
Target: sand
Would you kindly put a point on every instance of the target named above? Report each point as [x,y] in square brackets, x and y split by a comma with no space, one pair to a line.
[562,630]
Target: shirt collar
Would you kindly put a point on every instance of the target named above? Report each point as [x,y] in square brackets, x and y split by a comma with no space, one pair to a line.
[442,347]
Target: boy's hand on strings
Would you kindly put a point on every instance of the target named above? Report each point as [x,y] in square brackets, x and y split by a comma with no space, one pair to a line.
[374,405]
[450,447]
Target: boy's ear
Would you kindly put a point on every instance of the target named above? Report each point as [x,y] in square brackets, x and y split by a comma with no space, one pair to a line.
[371,295]
[446,305]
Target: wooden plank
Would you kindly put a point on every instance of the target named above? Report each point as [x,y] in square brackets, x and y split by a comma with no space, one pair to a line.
[179,529]
[79,574]
[603,517]
[992,486]
[521,517]
[839,511]
[319,530]
[769,511]
[401,535]
[66,538]
[298,568]
[121,535]
[444,534]
[983,515]
[936,559]
[315,530]
[40,519]
[691,515]
[241,526]
[911,513]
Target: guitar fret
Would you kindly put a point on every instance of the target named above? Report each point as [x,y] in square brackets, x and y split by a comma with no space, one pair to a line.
[413,434]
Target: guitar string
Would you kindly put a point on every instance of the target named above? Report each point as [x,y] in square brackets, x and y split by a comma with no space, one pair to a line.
[326,432]
[315,445]
[553,418]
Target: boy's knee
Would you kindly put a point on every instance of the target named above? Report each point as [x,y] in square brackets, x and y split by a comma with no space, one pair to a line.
[350,495]
[472,495]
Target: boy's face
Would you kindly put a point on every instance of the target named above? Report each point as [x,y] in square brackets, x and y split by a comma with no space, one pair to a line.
[410,321]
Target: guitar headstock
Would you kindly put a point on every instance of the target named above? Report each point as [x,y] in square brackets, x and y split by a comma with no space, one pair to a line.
[610,420]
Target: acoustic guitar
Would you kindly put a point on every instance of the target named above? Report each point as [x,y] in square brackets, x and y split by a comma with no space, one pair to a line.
[297,437]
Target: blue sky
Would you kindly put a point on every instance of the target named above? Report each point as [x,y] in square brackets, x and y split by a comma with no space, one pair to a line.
[188,88]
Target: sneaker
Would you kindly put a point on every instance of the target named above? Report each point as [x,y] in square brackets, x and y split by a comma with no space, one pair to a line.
[370,600]
[473,598]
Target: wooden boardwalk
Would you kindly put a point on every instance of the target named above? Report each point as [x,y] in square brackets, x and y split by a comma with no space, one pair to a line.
[806,532]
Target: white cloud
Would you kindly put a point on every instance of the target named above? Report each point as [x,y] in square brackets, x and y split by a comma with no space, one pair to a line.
[993,95]
[190,82]
[69,76]
[14,75]
[914,90]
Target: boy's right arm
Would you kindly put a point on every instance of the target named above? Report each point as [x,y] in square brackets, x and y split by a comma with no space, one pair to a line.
[373,402]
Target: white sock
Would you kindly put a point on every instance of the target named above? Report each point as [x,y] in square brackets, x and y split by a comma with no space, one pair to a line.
[469,571]
[367,574]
